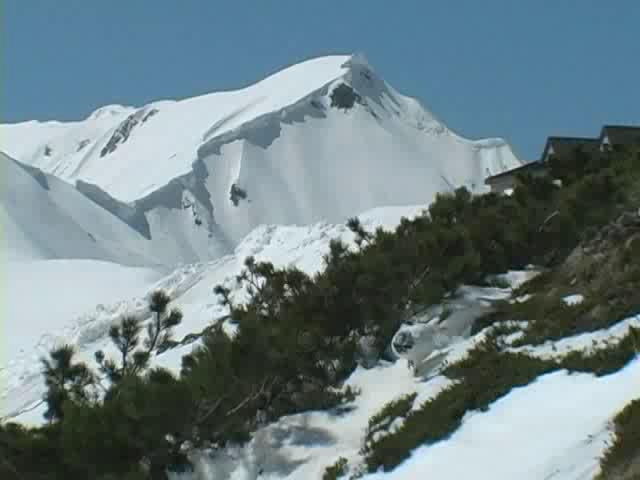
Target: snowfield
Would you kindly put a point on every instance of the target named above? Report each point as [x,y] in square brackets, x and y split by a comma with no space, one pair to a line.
[36,306]
[47,305]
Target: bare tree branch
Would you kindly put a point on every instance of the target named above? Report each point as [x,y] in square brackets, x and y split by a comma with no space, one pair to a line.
[251,397]
[548,219]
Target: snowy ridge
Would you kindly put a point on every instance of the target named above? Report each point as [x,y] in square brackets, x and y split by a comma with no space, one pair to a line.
[297,165]
[46,218]
[175,132]
[48,145]
[202,173]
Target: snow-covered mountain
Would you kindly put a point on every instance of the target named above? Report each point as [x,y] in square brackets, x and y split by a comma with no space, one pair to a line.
[99,213]
[199,174]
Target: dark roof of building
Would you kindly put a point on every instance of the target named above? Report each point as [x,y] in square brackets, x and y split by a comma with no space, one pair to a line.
[620,134]
[566,145]
[617,134]
[535,165]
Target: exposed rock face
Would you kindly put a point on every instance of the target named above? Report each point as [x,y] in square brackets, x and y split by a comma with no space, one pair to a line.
[122,133]
[149,114]
[344,97]
[83,144]
[236,194]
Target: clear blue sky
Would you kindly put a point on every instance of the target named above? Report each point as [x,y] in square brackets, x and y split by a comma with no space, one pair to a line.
[520,69]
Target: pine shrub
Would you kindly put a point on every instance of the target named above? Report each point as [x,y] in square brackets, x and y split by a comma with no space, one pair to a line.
[337,470]
[622,458]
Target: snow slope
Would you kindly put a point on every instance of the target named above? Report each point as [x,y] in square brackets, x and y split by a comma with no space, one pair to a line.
[45,299]
[62,255]
[548,427]
[90,296]
[554,428]
[46,218]
[204,172]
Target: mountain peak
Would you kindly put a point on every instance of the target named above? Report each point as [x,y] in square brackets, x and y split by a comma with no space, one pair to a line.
[357,59]
[114,110]
[284,150]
